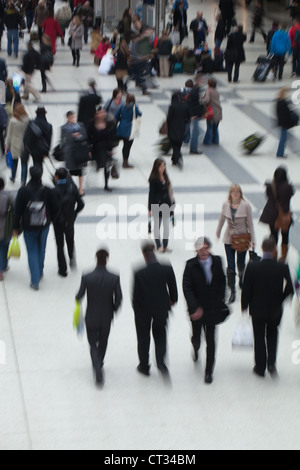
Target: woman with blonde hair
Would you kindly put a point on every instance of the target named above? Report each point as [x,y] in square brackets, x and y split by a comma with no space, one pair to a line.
[239,236]
[76,32]
[14,140]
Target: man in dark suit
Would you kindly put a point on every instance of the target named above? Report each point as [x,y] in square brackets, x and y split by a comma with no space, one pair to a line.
[266,285]
[104,297]
[154,293]
[204,286]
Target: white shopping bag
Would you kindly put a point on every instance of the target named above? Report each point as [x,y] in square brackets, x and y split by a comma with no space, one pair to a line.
[243,334]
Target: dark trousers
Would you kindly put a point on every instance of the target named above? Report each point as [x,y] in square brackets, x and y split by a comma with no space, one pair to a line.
[210,332]
[127,144]
[279,62]
[62,233]
[98,339]
[266,341]
[176,152]
[76,56]
[236,71]
[143,323]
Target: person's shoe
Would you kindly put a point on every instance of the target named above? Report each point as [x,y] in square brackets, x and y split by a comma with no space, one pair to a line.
[73,263]
[273,372]
[259,374]
[146,93]
[107,189]
[195,152]
[127,165]
[208,379]
[195,355]
[1,276]
[61,274]
[99,379]
[34,287]
[144,370]
[164,372]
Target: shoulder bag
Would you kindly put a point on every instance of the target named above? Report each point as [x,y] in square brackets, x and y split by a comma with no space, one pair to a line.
[136,126]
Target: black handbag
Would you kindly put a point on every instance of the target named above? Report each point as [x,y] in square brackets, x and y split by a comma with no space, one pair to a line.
[80,152]
[216,317]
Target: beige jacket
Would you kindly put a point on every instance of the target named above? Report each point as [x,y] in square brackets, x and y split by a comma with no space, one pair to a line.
[242,224]
[212,98]
[15,134]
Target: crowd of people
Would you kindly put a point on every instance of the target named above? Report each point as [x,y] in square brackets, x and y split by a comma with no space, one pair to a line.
[91,135]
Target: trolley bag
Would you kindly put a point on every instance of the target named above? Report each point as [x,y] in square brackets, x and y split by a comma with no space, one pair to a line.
[251,143]
[264,66]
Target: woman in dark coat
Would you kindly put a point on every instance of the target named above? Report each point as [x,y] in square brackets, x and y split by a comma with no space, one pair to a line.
[102,137]
[279,194]
[235,53]
[178,117]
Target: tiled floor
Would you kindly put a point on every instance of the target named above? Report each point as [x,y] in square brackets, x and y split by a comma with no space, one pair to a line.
[48,399]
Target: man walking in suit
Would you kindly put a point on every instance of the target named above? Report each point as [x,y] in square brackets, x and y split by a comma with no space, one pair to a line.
[154,294]
[104,298]
[266,285]
[204,286]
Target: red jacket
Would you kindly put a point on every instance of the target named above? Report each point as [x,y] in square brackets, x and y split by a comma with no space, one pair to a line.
[52,29]
[292,33]
[102,50]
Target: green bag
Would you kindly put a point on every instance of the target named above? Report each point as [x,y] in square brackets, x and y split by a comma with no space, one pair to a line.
[14,249]
[76,315]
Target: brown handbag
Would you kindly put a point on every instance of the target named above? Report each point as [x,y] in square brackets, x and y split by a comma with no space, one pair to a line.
[283,221]
[241,243]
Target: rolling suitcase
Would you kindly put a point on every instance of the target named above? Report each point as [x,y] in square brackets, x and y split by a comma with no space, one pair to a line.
[251,143]
[264,66]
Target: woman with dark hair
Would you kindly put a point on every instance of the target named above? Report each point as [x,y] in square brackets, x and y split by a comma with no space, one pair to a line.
[51,28]
[102,137]
[125,116]
[178,117]
[122,67]
[126,23]
[276,212]
[161,203]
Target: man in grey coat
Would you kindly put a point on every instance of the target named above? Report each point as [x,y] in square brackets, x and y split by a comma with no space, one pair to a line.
[104,298]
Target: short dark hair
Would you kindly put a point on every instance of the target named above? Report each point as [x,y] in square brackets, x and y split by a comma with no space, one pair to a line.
[148,248]
[36,173]
[61,173]
[2,184]
[269,245]
[102,257]
[70,113]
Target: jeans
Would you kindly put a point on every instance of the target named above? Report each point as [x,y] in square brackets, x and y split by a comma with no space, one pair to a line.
[282,142]
[195,132]
[36,241]
[12,37]
[212,133]
[23,171]
[4,245]
[241,257]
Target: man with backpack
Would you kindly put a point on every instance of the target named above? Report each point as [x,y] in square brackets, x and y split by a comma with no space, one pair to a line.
[280,46]
[36,207]
[37,138]
[295,41]
[70,204]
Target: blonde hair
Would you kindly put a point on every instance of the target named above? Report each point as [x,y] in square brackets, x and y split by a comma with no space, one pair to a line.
[232,188]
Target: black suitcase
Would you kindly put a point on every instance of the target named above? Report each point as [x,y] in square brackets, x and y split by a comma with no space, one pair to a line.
[251,143]
[264,65]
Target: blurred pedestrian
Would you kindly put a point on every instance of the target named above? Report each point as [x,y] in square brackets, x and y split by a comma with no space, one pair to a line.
[286,118]
[212,100]
[154,294]
[266,285]
[6,214]
[104,298]
[178,118]
[76,32]
[204,285]
[277,211]
[15,140]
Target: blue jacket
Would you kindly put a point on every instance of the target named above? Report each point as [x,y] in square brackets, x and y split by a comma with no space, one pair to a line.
[281,43]
[125,116]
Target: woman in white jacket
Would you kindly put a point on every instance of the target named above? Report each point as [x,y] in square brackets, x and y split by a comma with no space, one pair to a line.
[14,140]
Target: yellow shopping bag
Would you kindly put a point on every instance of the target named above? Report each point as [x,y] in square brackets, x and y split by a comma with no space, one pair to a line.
[78,320]
[14,249]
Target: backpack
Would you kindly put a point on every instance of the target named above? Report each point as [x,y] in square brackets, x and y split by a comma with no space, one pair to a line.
[36,212]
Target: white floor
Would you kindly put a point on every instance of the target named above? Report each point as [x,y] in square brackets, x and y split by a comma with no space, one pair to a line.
[48,398]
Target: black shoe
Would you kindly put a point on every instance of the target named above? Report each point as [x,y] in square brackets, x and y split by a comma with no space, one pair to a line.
[61,274]
[195,355]
[273,372]
[144,370]
[195,152]
[99,378]
[259,374]
[232,297]
[107,189]
[164,372]
[208,379]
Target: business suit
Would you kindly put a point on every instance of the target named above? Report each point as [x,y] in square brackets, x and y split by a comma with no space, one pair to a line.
[266,285]
[154,292]
[208,294]
[104,298]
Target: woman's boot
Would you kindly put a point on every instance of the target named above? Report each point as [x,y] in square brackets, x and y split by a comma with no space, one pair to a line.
[231,284]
